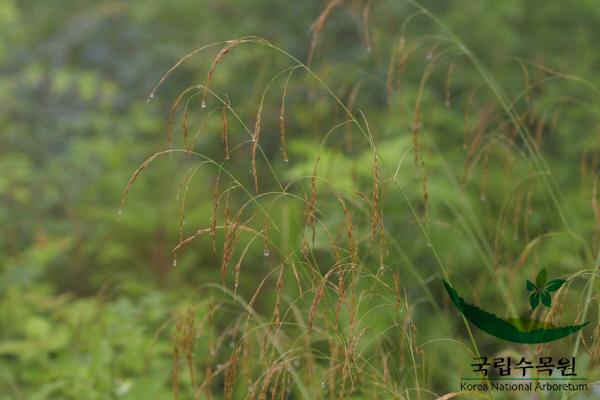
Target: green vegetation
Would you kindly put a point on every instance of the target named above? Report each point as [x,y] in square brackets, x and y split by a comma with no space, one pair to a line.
[273,215]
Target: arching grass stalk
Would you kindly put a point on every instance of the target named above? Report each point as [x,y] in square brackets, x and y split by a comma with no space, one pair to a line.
[364,132]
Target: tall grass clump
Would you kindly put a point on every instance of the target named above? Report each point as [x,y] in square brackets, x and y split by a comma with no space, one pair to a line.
[339,198]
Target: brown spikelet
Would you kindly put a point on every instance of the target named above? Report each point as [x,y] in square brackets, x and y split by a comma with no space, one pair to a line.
[448,83]
[175,372]
[593,348]
[352,242]
[254,146]
[184,346]
[231,374]
[365,19]
[229,246]
[315,303]
[375,213]
[382,237]
[173,112]
[191,143]
[312,202]
[285,392]
[226,213]
[280,387]
[417,123]
[225,134]
[281,390]
[190,239]
[386,369]
[246,357]
[208,374]
[236,277]
[477,139]
[213,220]
[416,126]
[266,383]
[257,292]
[318,26]
[282,136]
[282,131]
[397,291]
[228,46]
[333,367]
[341,292]
[184,188]
[171,121]
[349,361]
[189,340]
[135,175]
[278,289]
[275,385]
[185,126]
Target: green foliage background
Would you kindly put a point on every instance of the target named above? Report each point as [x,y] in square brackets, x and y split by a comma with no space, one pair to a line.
[89,298]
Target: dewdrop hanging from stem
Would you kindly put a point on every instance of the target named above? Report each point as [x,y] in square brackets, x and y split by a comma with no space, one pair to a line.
[265,231]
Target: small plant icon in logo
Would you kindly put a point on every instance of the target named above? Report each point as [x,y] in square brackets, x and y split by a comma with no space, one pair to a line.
[542,290]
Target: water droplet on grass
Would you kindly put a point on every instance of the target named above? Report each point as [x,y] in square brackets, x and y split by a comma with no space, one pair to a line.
[203,104]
